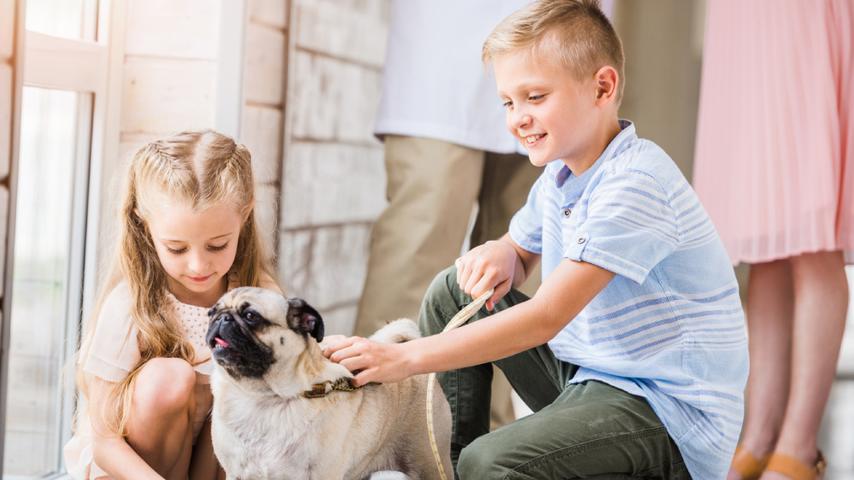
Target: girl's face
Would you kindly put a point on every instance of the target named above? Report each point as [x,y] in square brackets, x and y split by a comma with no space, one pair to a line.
[195,248]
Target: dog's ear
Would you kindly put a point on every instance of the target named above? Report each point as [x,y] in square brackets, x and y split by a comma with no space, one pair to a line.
[312,323]
[305,319]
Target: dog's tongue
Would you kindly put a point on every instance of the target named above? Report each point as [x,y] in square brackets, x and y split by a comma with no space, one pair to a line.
[222,343]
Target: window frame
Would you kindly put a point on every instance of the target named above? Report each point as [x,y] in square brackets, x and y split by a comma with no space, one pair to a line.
[82,66]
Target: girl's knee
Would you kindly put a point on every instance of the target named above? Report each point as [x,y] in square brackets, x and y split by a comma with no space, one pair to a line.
[165,385]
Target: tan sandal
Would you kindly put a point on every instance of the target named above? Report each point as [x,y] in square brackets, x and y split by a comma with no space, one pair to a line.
[796,469]
[748,466]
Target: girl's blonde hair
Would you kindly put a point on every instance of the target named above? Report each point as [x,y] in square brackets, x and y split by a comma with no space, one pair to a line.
[202,168]
[575,33]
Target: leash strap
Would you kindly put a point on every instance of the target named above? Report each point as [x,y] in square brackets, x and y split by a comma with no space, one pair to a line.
[459,319]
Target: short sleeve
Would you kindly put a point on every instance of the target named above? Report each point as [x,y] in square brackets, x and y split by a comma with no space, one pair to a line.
[526,226]
[114,351]
[629,226]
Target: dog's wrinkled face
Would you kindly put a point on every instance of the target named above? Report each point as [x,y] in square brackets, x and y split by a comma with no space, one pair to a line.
[251,328]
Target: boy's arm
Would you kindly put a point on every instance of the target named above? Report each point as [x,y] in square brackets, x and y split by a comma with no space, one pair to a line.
[526,325]
[527,261]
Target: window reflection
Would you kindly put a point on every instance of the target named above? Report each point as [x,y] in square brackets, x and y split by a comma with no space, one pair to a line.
[43,283]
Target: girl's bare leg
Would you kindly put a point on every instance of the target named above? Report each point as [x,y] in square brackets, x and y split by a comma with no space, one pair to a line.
[769,320]
[821,301]
[160,421]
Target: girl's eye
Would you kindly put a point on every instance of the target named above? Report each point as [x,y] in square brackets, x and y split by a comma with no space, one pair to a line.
[176,251]
[534,98]
[507,104]
[217,248]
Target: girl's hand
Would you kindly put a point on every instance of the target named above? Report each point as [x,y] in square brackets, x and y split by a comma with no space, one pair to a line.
[372,361]
[491,265]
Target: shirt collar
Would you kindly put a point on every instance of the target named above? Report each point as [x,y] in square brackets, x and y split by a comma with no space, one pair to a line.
[618,143]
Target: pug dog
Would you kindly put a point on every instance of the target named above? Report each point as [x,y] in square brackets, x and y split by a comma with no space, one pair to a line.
[276,414]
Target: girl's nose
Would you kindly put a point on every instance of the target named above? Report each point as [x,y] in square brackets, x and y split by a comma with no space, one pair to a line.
[198,263]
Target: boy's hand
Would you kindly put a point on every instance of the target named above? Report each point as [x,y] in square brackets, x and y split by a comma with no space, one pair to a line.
[371,361]
[491,265]
[331,341]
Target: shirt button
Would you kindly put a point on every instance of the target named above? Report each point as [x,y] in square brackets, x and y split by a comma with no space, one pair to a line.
[567,212]
[581,240]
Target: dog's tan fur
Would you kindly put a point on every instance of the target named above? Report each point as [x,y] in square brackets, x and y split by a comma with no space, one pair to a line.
[264,428]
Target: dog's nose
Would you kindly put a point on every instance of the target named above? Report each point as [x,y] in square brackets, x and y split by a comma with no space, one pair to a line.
[225,317]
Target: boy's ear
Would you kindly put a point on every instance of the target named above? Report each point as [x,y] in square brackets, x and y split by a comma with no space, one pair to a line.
[607,82]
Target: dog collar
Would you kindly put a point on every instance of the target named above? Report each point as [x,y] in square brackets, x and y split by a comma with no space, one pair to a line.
[343,384]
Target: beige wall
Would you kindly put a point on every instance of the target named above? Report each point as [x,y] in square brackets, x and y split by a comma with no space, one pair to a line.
[333,176]
[261,128]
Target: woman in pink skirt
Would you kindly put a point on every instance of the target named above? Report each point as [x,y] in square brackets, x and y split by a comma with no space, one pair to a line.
[774,169]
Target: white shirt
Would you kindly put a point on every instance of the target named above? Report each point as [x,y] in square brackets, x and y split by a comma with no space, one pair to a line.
[434,83]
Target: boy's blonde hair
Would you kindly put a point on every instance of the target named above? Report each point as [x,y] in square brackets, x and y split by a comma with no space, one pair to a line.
[574,32]
[202,168]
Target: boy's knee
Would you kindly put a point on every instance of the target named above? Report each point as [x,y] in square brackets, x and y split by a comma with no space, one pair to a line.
[482,459]
[439,294]
[165,385]
[443,282]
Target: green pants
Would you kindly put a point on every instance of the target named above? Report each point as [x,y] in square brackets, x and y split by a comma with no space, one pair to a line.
[587,430]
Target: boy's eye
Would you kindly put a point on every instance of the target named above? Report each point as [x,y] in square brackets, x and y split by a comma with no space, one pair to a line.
[534,98]
[507,104]
[216,248]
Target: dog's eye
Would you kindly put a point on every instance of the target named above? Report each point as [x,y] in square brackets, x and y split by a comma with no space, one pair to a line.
[251,317]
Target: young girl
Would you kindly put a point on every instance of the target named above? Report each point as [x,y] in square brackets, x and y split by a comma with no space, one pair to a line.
[188,235]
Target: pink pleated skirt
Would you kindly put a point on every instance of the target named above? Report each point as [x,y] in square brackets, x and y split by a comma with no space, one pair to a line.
[775,134]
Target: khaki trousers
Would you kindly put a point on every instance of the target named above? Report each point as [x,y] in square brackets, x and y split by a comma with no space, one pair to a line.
[432,187]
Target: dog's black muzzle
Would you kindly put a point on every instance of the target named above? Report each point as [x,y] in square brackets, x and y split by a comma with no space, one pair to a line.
[235,347]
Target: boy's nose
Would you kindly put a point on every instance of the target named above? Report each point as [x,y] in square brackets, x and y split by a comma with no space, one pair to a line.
[521,120]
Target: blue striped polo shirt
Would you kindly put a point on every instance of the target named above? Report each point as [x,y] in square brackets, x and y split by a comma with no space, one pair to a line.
[669,326]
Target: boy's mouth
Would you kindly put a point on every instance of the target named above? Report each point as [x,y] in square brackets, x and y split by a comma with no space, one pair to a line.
[532,139]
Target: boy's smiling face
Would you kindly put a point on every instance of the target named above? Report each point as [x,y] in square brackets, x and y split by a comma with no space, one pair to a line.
[549,110]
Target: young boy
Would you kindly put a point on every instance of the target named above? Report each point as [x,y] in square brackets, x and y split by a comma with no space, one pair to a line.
[646,359]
